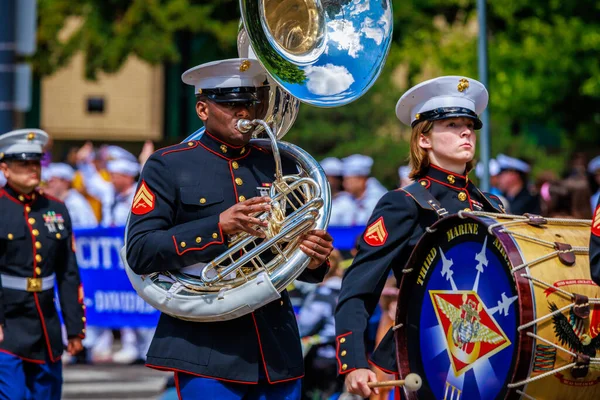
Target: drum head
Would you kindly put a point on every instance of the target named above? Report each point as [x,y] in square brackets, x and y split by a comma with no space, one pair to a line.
[460,312]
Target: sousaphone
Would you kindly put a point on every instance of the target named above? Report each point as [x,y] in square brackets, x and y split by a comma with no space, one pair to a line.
[325,53]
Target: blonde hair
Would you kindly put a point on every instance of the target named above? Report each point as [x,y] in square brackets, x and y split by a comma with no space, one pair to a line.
[418,159]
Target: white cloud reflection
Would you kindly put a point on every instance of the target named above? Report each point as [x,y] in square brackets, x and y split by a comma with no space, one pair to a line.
[377,30]
[344,34]
[328,79]
[359,6]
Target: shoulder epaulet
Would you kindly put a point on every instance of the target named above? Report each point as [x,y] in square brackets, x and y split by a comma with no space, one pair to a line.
[494,201]
[191,144]
[424,198]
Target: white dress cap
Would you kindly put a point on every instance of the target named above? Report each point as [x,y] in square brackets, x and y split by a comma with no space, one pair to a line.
[332,166]
[357,165]
[231,73]
[594,165]
[22,143]
[58,170]
[442,92]
[112,152]
[494,168]
[125,167]
[509,163]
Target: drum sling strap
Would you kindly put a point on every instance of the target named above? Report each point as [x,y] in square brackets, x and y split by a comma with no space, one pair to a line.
[425,199]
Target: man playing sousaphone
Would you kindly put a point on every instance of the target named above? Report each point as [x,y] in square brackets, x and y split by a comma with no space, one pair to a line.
[192,197]
[443,114]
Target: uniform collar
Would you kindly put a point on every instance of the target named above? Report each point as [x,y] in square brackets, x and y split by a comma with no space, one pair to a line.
[446,178]
[223,149]
[23,198]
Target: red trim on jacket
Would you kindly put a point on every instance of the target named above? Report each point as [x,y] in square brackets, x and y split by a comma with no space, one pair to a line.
[199,248]
[200,375]
[387,371]
[457,188]
[8,196]
[23,358]
[195,144]
[262,356]
[177,387]
[448,172]
[222,142]
[427,181]
[226,158]
[337,352]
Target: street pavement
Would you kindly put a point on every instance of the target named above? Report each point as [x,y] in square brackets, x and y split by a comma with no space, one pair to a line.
[111,381]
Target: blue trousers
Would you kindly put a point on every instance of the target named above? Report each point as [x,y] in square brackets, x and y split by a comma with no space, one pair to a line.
[24,380]
[190,387]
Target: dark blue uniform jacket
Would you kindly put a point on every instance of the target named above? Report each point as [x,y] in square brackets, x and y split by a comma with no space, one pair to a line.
[394,228]
[190,184]
[36,241]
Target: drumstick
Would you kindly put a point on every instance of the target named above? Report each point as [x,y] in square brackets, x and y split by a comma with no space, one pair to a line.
[412,382]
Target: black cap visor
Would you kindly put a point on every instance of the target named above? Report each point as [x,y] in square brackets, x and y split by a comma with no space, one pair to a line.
[448,112]
[21,156]
[232,95]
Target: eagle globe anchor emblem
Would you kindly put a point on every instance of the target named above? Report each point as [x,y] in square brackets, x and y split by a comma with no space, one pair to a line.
[471,332]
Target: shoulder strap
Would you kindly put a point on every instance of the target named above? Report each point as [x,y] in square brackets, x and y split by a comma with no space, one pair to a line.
[424,198]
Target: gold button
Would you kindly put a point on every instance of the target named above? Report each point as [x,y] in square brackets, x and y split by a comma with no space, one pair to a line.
[38,270]
[423,183]
[190,144]
[239,181]
[58,235]
[202,200]
[35,232]
[198,239]
[214,235]
[31,221]
[235,165]
[344,353]
[242,198]
[38,245]
[451,179]
[243,150]
[21,198]
[467,209]
[281,302]
[83,319]
[344,367]
[10,236]
[462,196]
[182,244]
[33,195]
[38,258]
[224,148]
[27,208]
[343,340]
[83,330]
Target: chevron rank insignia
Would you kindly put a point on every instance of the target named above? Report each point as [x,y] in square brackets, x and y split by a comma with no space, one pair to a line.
[143,202]
[596,222]
[376,234]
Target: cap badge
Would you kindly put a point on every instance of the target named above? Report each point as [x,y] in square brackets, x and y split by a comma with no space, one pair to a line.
[244,66]
[199,91]
[31,136]
[463,85]
[417,116]
[224,148]
[451,179]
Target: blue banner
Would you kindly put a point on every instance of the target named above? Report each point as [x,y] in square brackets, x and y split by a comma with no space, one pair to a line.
[109,297]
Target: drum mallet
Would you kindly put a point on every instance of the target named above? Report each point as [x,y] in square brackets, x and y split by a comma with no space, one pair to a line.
[412,383]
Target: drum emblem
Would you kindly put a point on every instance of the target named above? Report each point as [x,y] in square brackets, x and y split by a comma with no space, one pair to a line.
[471,332]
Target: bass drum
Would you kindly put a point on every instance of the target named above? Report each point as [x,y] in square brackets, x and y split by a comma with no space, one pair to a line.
[500,307]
